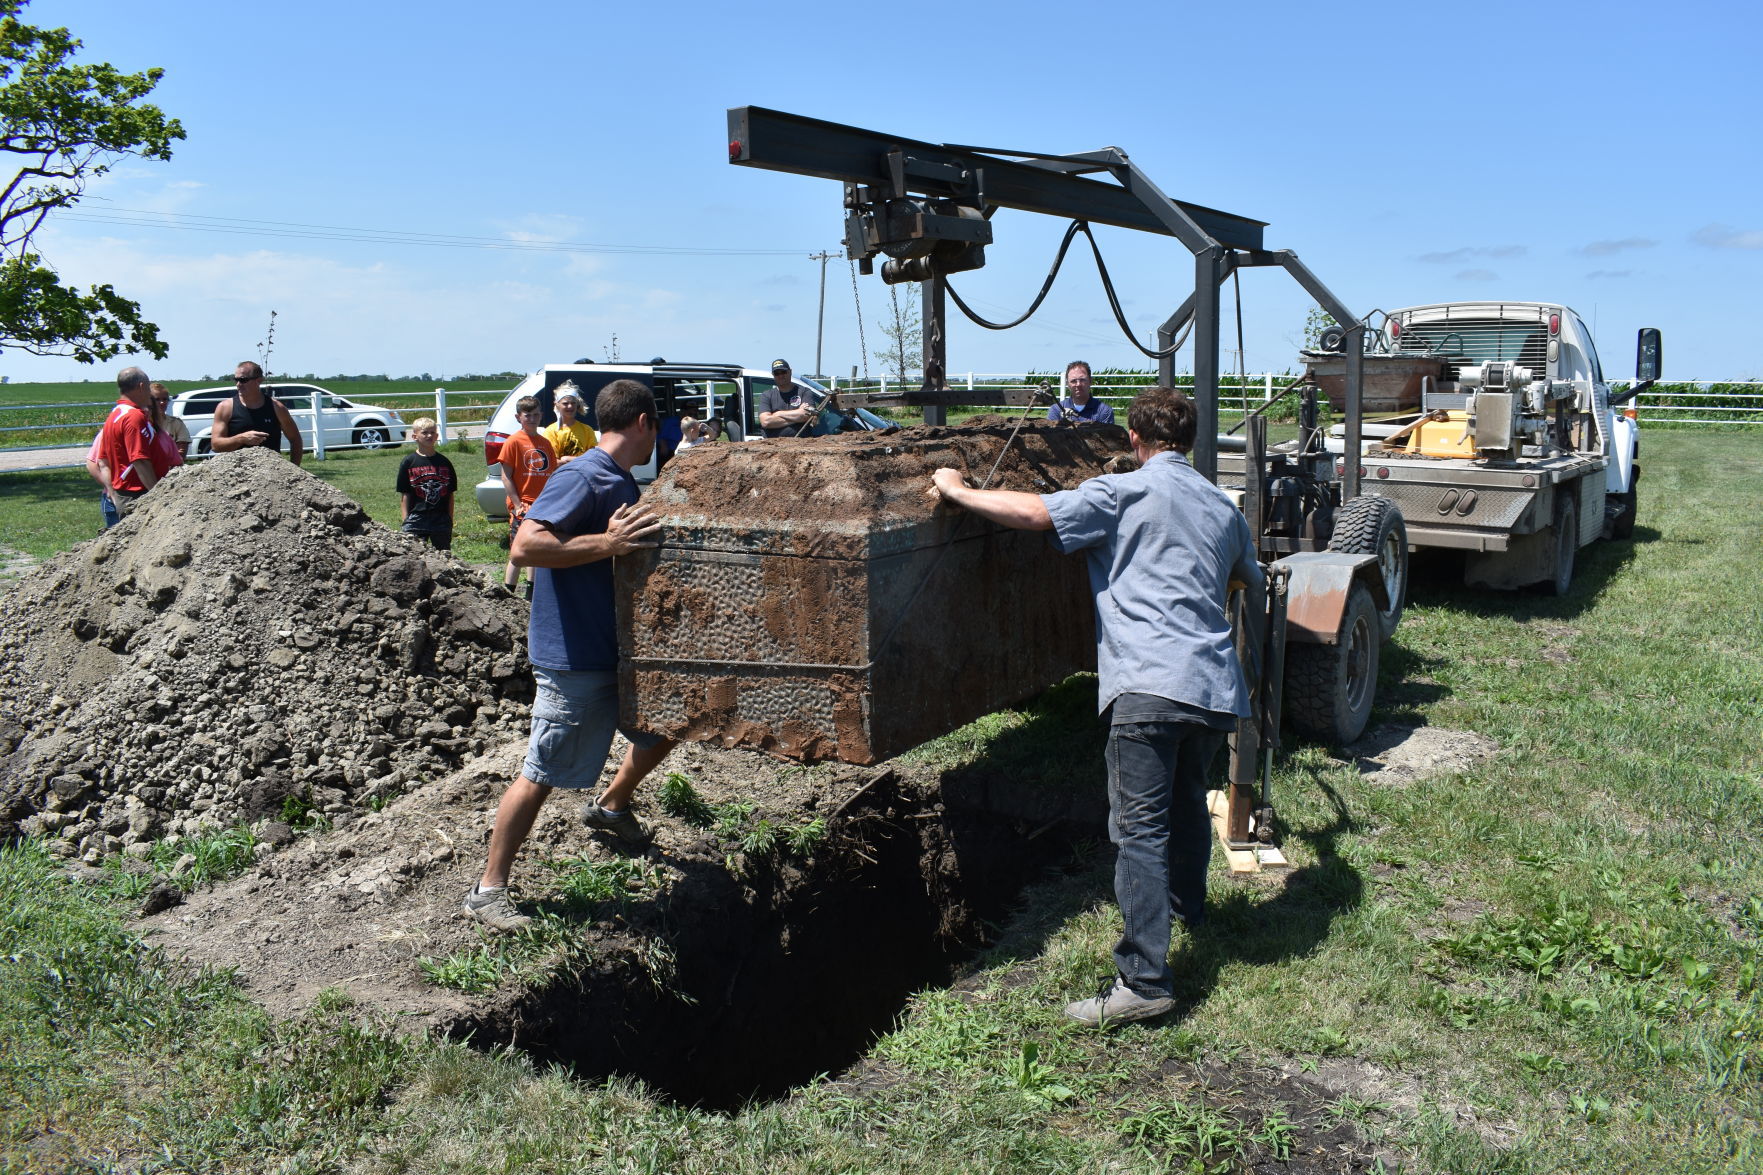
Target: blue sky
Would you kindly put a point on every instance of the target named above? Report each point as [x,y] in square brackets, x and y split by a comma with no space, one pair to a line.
[1604,155]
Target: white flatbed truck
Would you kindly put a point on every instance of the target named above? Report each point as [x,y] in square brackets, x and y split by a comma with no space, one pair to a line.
[1517,454]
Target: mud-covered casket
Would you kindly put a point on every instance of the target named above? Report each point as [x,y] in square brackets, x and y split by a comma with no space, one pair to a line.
[811,599]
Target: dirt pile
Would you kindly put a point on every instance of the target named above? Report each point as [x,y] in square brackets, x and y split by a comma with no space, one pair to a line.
[247,635]
[810,599]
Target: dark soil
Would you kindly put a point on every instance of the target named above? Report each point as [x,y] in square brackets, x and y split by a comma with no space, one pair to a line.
[735,975]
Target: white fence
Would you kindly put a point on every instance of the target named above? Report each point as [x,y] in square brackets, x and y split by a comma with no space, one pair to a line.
[1677,402]
[1693,402]
[452,416]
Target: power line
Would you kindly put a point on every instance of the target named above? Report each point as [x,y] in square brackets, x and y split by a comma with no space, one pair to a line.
[238,226]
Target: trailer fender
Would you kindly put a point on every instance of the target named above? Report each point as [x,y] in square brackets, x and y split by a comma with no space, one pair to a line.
[1316,595]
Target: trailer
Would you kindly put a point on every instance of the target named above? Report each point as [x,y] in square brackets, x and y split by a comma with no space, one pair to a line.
[1336,575]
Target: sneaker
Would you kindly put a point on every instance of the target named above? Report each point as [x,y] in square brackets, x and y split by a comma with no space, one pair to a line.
[624,825]
[1115,1004]
[494,908]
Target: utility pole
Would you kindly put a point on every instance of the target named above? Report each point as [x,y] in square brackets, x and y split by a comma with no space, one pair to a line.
[820,326]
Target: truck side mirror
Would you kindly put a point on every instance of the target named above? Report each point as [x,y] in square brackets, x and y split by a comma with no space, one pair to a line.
[1649,355]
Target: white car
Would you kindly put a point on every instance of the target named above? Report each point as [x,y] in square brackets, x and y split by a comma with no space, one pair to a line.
[347,424]
[708,391]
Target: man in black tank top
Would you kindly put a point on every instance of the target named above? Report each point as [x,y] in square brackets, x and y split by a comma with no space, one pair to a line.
[253,417]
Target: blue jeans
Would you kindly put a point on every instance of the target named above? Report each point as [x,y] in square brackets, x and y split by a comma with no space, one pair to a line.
[108,509]
[1158,821]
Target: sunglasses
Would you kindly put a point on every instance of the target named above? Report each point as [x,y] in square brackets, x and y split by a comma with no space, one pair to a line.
[245,379]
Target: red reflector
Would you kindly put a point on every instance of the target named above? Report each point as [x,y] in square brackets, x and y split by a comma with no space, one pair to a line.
[734,149]
[1383,472]
[1529,481]
[1340,469]
[1362,471]
[493,446]
[1395,329]
[1554,324]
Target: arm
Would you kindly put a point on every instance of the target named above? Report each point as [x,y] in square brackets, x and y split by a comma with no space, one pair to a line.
[144,470]
[220,440]
[536,544]
[296,445]
[1011,508]
[508,495]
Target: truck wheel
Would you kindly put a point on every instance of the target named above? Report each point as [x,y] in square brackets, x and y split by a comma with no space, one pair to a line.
[1329,688]
[1566,548]
[1623,528]
[1373,526]
[372,435]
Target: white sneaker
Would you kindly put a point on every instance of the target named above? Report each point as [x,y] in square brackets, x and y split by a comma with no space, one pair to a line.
[1117,1003]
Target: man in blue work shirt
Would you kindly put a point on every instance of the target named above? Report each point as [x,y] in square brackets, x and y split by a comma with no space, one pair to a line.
[587,514]
[1080,407]
[1163,546]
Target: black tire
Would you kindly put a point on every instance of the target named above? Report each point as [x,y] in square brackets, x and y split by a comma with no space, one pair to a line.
[1373,526]
[1329,689]
[1566,546]
[204,447]
[1627,504]
[373,435]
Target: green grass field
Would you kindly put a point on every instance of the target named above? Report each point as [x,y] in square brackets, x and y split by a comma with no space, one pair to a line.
[70,413]
[1547,962]
[45,511]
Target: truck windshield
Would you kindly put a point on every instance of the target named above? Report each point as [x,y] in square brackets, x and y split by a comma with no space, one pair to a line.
[1478,340]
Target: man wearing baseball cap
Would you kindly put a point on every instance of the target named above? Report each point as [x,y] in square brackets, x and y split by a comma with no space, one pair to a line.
[785,410]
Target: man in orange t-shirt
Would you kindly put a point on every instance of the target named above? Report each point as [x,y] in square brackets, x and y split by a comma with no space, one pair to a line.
[126,444]
[527,460]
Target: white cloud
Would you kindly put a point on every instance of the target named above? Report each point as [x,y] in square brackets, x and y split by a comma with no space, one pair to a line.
[1605,248]
[1720,236]
[1477,275]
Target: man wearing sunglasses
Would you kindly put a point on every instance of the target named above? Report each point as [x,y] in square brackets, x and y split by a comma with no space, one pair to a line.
[254,417]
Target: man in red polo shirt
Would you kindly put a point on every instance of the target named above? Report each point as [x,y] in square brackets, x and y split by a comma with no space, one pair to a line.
[127,440]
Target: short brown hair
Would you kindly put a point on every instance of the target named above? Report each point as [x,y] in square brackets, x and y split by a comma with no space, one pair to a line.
[1078,363]
[622,403]
[526,404]
[256,371]
[1163,417]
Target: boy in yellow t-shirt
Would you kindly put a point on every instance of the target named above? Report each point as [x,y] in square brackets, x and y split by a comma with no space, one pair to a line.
[568,435]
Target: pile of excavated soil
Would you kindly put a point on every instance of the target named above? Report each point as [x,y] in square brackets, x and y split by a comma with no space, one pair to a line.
[246,635]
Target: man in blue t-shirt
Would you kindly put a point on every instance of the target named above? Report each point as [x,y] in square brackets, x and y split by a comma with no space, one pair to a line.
[1080,407]
[587,514]
[1163,545]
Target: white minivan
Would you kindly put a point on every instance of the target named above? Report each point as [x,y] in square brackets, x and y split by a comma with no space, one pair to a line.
[709,391]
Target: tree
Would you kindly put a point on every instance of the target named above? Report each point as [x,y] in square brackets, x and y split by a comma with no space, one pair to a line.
[905,335]
[65,125]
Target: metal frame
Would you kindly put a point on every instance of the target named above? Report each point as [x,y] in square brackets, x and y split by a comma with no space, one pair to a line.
[874,165]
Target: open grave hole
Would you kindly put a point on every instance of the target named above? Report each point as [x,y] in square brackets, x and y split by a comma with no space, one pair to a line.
[775,977]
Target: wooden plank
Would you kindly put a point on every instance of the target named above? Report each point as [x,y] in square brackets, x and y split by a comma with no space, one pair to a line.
[1240,860]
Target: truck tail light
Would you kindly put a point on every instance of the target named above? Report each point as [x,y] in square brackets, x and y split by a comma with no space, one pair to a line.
[1395,329]
[1554,324]
[493,446]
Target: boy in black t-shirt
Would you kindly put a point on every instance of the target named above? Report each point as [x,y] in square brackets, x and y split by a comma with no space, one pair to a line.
[426,482]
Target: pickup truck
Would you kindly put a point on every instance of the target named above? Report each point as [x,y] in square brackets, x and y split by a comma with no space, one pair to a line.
[1516,452]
